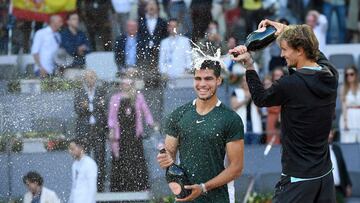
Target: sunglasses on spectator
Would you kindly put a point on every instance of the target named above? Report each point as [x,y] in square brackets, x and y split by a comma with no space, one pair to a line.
[350,74]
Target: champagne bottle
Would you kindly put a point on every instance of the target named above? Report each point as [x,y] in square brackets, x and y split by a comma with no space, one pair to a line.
[177,179]
[259,39]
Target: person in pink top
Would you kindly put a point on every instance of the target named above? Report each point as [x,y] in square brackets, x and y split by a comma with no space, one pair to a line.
[127,111]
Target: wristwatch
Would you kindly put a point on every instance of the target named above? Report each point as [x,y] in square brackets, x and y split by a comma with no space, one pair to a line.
[203,188]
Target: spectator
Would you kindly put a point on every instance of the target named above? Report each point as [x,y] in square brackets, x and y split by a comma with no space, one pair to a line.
[299,9]
[152,29]
[319,24]
[175,53]
[24,30]
[126,112]
[267,81]
[218,15]
[74,41]
[353,22]
[339,7]
[342,180]
[46,42]
[178,10]
[127,49]
[89,104]
[242,103]
[201,17]
[83,173]
[235,69]
[122,10]
[273,113]
[236,25]
[5,23]
[350,99]
[3,39]
[37,191]
[212,41]
[96,16]
[252,14]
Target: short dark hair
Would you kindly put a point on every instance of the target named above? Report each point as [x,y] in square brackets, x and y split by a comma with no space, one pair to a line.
[80,141]
[212,65]
[33,177]
[172,19]
[214,22]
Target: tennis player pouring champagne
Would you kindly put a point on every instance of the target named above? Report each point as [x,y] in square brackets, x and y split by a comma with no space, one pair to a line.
[307,97]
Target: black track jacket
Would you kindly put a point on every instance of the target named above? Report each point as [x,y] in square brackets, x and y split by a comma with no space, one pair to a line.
[307,98]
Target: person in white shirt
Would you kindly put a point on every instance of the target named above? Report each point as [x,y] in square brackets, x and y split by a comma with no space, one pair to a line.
[319,24]
[175,53]
[122,10]
[37,193]
[46,43]
[83,174]
[152,29]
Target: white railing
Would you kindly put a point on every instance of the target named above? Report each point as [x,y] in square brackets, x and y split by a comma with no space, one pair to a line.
[123,196]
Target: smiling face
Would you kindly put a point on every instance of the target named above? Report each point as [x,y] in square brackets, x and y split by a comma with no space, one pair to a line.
[290,54]
[206,83]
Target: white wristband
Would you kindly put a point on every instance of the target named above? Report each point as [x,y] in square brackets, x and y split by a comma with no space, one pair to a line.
[203,188]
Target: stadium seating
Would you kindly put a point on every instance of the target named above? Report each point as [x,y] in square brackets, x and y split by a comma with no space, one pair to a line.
[341,61]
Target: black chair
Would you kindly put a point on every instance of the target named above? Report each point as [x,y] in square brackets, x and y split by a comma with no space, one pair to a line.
[341,61]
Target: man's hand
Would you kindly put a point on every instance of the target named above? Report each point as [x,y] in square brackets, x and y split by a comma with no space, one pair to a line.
[195,193]
[164,160]
[279,26]
[242,56]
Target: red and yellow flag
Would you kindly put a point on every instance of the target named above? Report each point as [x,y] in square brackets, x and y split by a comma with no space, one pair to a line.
[40,10]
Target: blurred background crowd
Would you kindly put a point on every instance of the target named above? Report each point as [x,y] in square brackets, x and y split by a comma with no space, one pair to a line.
[153,42]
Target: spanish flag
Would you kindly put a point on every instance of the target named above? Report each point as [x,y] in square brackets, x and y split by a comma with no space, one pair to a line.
[41,10]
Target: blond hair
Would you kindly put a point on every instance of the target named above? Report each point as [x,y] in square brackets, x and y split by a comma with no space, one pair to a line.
[301,36]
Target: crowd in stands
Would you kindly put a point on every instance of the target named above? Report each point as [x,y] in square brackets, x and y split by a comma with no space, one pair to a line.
[153,40]
[104,20]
